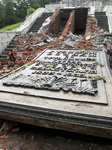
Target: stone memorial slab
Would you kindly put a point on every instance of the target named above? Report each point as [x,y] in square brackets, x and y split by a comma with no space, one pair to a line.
[71,75]
[61,89]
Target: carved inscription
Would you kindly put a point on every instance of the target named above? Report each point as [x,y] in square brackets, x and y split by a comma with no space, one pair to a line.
[57,70]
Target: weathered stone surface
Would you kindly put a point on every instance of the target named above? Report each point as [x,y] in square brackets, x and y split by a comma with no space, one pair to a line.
[57,71]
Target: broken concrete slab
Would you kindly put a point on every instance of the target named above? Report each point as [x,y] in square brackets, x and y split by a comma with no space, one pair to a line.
[72,39]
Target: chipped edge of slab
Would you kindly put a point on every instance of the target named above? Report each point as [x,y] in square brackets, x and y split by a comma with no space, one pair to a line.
[76,122]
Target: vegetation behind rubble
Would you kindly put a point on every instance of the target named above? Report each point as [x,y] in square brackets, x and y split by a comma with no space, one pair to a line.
[14,11]
[30,10]
[11,27]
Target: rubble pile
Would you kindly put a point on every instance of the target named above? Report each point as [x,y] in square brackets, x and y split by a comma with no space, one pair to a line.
[31,44]
[67,27]
[27,48]
[51,25]
[91,31]
[80,41]
[72,39]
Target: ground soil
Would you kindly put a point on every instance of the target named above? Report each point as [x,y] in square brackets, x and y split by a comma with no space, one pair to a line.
[26,137]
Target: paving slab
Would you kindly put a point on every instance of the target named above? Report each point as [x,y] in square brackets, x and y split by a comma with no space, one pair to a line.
[61,90]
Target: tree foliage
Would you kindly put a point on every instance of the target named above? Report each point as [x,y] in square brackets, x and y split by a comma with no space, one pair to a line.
[14,11]
[10,15]
[2,16]
[30,10]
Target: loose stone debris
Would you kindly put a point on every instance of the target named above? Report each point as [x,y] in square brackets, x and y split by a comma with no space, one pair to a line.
[29,45]
[71,39]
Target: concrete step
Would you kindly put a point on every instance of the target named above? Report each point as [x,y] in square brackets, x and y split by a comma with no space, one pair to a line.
[102,20]
[3,56]
[33,31]
[8,49]
[34,28]
[102,23]
[99,16]
[38,23]
[11,43]
[11,46]
[100,13]
[5,53]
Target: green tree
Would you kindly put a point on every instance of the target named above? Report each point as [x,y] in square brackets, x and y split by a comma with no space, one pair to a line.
[44,2]
[10,15]
[6,1]
[34,4]
[2,16]
[21,10]
[12,12]
[30,10]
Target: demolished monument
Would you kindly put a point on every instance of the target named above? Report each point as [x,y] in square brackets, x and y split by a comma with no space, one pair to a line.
[66,86]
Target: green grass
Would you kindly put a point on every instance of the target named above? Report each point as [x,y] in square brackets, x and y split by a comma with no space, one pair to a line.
[11,27]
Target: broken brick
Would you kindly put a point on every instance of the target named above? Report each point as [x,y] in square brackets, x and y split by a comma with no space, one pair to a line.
[25,137]
[4,137]
[16,130]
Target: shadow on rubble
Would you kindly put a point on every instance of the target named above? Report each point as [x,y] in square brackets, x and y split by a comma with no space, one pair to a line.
[38,138]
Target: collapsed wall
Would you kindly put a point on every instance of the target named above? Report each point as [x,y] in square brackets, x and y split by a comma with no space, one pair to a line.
[94,6]
[65,20]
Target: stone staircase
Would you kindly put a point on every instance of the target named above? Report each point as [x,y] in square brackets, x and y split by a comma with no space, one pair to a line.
[38,23]
[35,27]
[102,20]
[11,45]
[9,48]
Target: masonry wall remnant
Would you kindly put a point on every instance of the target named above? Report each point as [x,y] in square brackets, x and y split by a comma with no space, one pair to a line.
[49,24]
[54,29]
[69,26]
[80,19]
[65,20]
